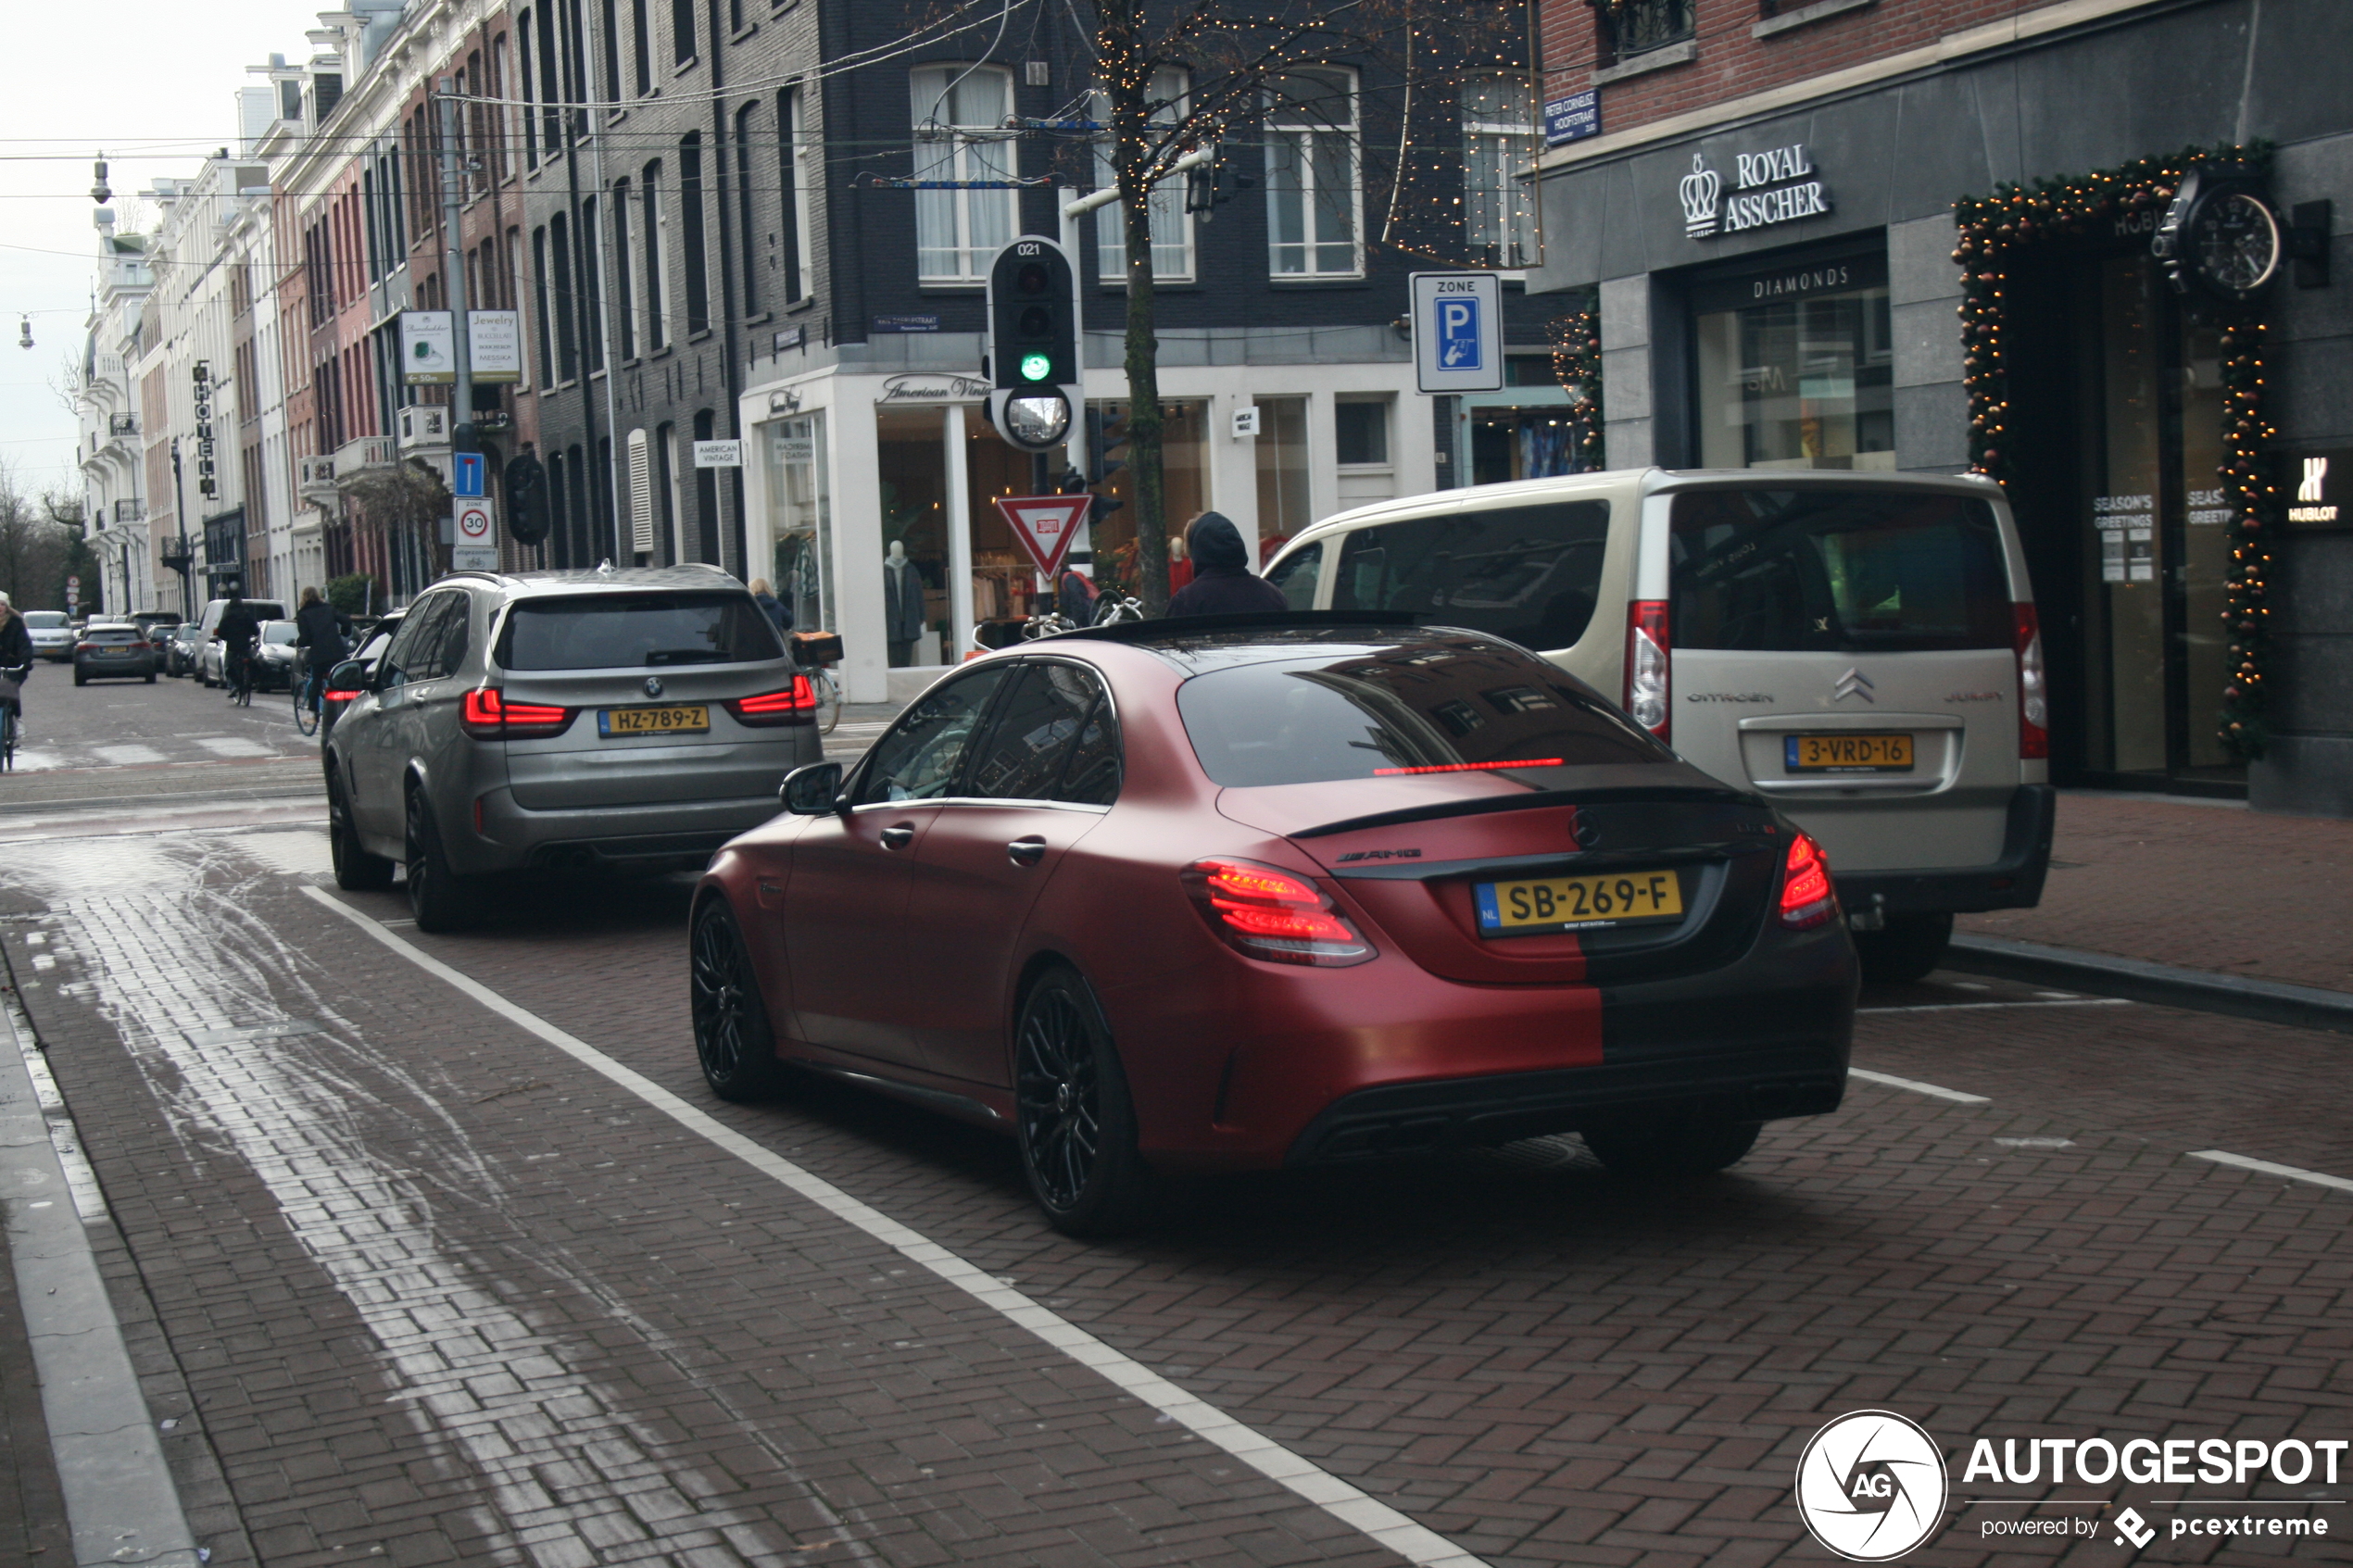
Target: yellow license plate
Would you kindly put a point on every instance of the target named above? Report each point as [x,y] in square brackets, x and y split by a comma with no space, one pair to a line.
[1576,903]
[686,718]
[1848,754]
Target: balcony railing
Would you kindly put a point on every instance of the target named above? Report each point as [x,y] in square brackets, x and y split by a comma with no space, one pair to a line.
[122,424]
[129,511]
[1631,27]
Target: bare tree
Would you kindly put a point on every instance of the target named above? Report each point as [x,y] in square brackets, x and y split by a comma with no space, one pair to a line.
[32,549]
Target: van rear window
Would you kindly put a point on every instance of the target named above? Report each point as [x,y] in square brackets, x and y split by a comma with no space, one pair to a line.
[637,631]
[1444,704]
[1527,574]
[1837,571]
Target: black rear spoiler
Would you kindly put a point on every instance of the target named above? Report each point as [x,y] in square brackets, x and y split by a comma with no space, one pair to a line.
[1684,795]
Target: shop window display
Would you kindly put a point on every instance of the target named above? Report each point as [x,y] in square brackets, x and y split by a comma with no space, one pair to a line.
[914,495]
[1795,368]
[1282,469]
[1003,579]
[800,521]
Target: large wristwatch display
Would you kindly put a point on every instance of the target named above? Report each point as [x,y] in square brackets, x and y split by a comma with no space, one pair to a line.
[2221,237]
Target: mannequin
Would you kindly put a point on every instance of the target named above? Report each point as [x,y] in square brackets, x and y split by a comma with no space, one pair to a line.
[902,604]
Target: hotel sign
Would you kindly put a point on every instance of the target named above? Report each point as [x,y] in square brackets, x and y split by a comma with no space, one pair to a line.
[1777,185]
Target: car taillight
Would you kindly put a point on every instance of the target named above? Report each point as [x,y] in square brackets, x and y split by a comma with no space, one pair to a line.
[795,704]
[485,714]
[333,695]
[1274,915]
[85,647]
[1646,669]
[1807,897]
[2033,694]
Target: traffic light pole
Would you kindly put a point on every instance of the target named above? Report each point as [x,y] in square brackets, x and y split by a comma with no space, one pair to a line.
[453,270]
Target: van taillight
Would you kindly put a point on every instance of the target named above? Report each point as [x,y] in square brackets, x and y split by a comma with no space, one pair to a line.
[1274,914]
[1647,646]
[485,714]
[1807,899]
[2034,691]
[795,704]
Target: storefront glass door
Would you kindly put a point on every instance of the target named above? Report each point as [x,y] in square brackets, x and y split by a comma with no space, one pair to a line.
[800,521]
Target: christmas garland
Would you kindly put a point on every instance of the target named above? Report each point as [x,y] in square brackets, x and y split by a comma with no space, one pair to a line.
[1577,365]
[1993,228]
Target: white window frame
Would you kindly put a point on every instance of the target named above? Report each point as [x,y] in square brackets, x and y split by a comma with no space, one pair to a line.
[968,227]
[656,321]
[1173,258]
[806,166]
[1290,121]
[1502,215]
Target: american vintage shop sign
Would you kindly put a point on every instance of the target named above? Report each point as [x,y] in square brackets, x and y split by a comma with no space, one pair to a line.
[1774,186]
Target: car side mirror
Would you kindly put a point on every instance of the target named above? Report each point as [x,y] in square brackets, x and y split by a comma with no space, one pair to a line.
[812,790]
[349,676]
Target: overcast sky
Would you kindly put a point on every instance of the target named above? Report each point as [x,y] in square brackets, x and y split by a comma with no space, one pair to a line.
[150,82]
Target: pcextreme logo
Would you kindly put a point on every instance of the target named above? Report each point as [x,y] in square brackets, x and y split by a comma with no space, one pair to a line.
[1870,1486]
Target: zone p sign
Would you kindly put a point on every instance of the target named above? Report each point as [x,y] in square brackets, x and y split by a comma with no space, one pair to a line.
[1458,332]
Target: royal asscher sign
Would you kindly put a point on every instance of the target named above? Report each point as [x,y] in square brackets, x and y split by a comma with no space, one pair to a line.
[1776,185]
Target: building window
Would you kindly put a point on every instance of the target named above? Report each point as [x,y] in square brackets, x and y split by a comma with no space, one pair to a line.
[624,299]
[1172,225]
[691,232]
[641,40]
[1499,152]
[610,17]
[657,228]
[1630,26]
[551,92]
[959,121]
[682,32]
[560,267]
[1360,432]
[1312,218]
[539,304]
[746,123]
[798,151]
[592,287]
[1794,368]
[530,119]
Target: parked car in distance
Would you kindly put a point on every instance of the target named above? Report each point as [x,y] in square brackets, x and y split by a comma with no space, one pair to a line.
[52,634]
[273,656]
[113,650]
[1859,648]
[155,624]
[1265,892]
[210,666]
[183,648]
[636,719]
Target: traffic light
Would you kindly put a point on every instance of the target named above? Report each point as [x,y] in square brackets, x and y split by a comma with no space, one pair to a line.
[1106,434]
[526,500]
[1033,343]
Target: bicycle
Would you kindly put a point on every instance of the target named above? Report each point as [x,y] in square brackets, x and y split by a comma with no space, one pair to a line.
[306,685]
[12,681]
[237,668]
[812,652]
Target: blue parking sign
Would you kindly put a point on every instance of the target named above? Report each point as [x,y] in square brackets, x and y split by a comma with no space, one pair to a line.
[1458,334]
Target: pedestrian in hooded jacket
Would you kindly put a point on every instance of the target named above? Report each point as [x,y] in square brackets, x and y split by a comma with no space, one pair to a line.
[1223,583]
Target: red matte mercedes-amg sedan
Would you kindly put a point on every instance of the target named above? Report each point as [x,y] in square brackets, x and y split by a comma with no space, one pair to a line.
[1267,891]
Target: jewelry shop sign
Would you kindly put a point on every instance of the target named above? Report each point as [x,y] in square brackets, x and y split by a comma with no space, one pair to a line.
[1777,185]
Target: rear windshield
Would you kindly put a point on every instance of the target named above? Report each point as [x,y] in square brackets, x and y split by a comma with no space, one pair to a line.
[44,619]
[637,631]
[1527,574]
[279,632]
[1837,570]
[113,634]
[1447,705]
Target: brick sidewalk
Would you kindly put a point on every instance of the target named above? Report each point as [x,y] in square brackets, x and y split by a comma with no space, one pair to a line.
[2203,887]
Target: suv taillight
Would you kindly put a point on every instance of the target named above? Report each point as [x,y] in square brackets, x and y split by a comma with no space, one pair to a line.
[1647,646]
[485,714]
[2033,693]
[1807,897]
[1274,915]
[795,704]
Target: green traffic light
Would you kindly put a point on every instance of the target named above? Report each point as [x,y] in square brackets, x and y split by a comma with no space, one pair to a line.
[1035,367]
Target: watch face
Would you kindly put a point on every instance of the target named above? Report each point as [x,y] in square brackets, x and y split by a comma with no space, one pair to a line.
[2235,242]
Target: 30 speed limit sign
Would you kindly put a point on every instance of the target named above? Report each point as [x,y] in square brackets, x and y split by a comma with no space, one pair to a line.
[473,522]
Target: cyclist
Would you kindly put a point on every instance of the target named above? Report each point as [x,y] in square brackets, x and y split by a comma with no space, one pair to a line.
[238,628]
[771,605]
[15,661]
[324,634]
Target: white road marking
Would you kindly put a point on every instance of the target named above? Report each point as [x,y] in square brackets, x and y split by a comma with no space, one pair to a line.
[234,745]
[1327,1491]
[2265,1167]
[1888,1079]
[1966,1007]
[126,755]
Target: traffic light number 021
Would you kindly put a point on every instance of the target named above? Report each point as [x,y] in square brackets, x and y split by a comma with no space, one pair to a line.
[1029,248]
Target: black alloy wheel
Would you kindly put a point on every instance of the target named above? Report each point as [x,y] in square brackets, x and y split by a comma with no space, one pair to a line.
[732,1041]
[356,870]
[1695,1144]
[1075,1123]
[440,900]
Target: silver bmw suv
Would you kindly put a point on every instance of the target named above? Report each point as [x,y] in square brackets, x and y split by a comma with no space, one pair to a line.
[626,719]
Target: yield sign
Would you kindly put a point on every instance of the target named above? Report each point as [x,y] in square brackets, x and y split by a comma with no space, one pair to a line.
[1045,525]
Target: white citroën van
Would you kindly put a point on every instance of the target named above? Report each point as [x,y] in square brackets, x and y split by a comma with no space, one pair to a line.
[1859,648]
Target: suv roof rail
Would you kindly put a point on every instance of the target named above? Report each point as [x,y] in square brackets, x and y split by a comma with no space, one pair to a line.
[1252,621]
